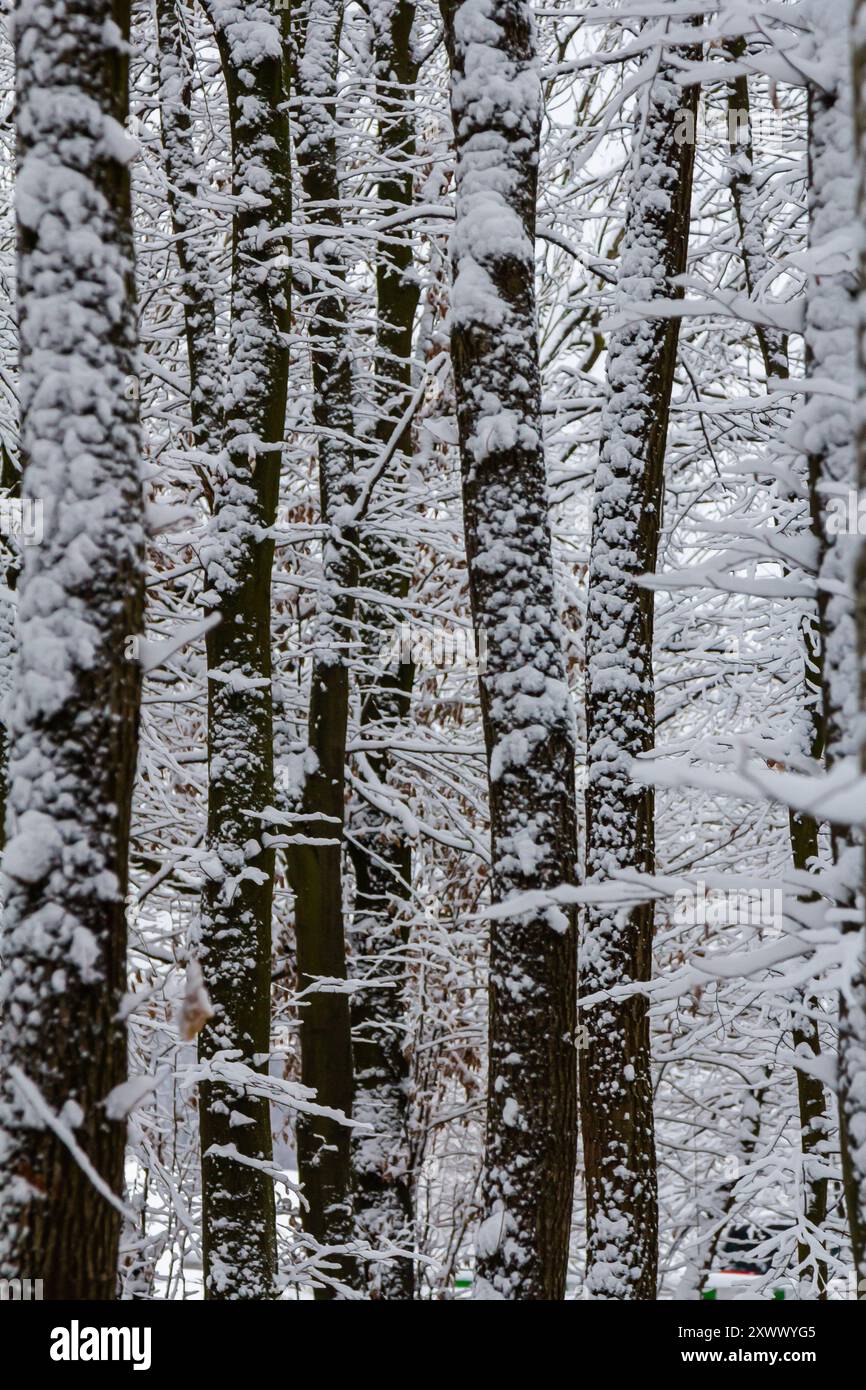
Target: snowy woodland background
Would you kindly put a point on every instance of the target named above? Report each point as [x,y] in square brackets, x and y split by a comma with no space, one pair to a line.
[326,380]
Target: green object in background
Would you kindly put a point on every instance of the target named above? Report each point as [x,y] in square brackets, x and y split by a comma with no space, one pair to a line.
[711,1293]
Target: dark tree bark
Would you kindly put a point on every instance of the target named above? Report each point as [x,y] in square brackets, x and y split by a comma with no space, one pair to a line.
[185,193]
[75,702]
[772,342]
[828,433]
[852,1023]
[529,1156]
[10,483]
[315,859]
[237,898]
[381,852]
[615,1061]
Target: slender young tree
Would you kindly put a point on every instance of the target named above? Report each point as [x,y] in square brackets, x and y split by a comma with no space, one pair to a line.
[852,1024]
[74,716]
[186,194]
[237,898]
[829,444]
[529,1154]
[381,850]
[803,827]
[315,859]
[10,484]
[745,196]
[616,949]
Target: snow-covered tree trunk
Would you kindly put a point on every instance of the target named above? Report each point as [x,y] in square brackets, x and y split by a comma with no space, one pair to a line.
[235,1128]
[315,859]
[382,854]
[825,420]
[529,1156]
[829,443]
[616,948]
[186,193]
[803,827]
[745,196]
[852,1040]
[75,701]
[10,487]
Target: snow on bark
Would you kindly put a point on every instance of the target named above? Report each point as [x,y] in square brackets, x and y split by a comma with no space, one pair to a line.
[745,196]
[186,195]
[852,1027]
[825,425]
[616,947]
[827,432]
[235,942]
[529,1157]
[74,707]
[315,865]
[10,483]
[804,829]
[382,1178]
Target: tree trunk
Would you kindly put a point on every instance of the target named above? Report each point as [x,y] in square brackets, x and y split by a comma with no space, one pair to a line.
[530,1146]
[828,433]
[852,1023]
[381,852]
[10,483]
[74,723]
[772,342]
[803,828]
[315,859]
[615,1062]
[235,1128]
[185,195]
